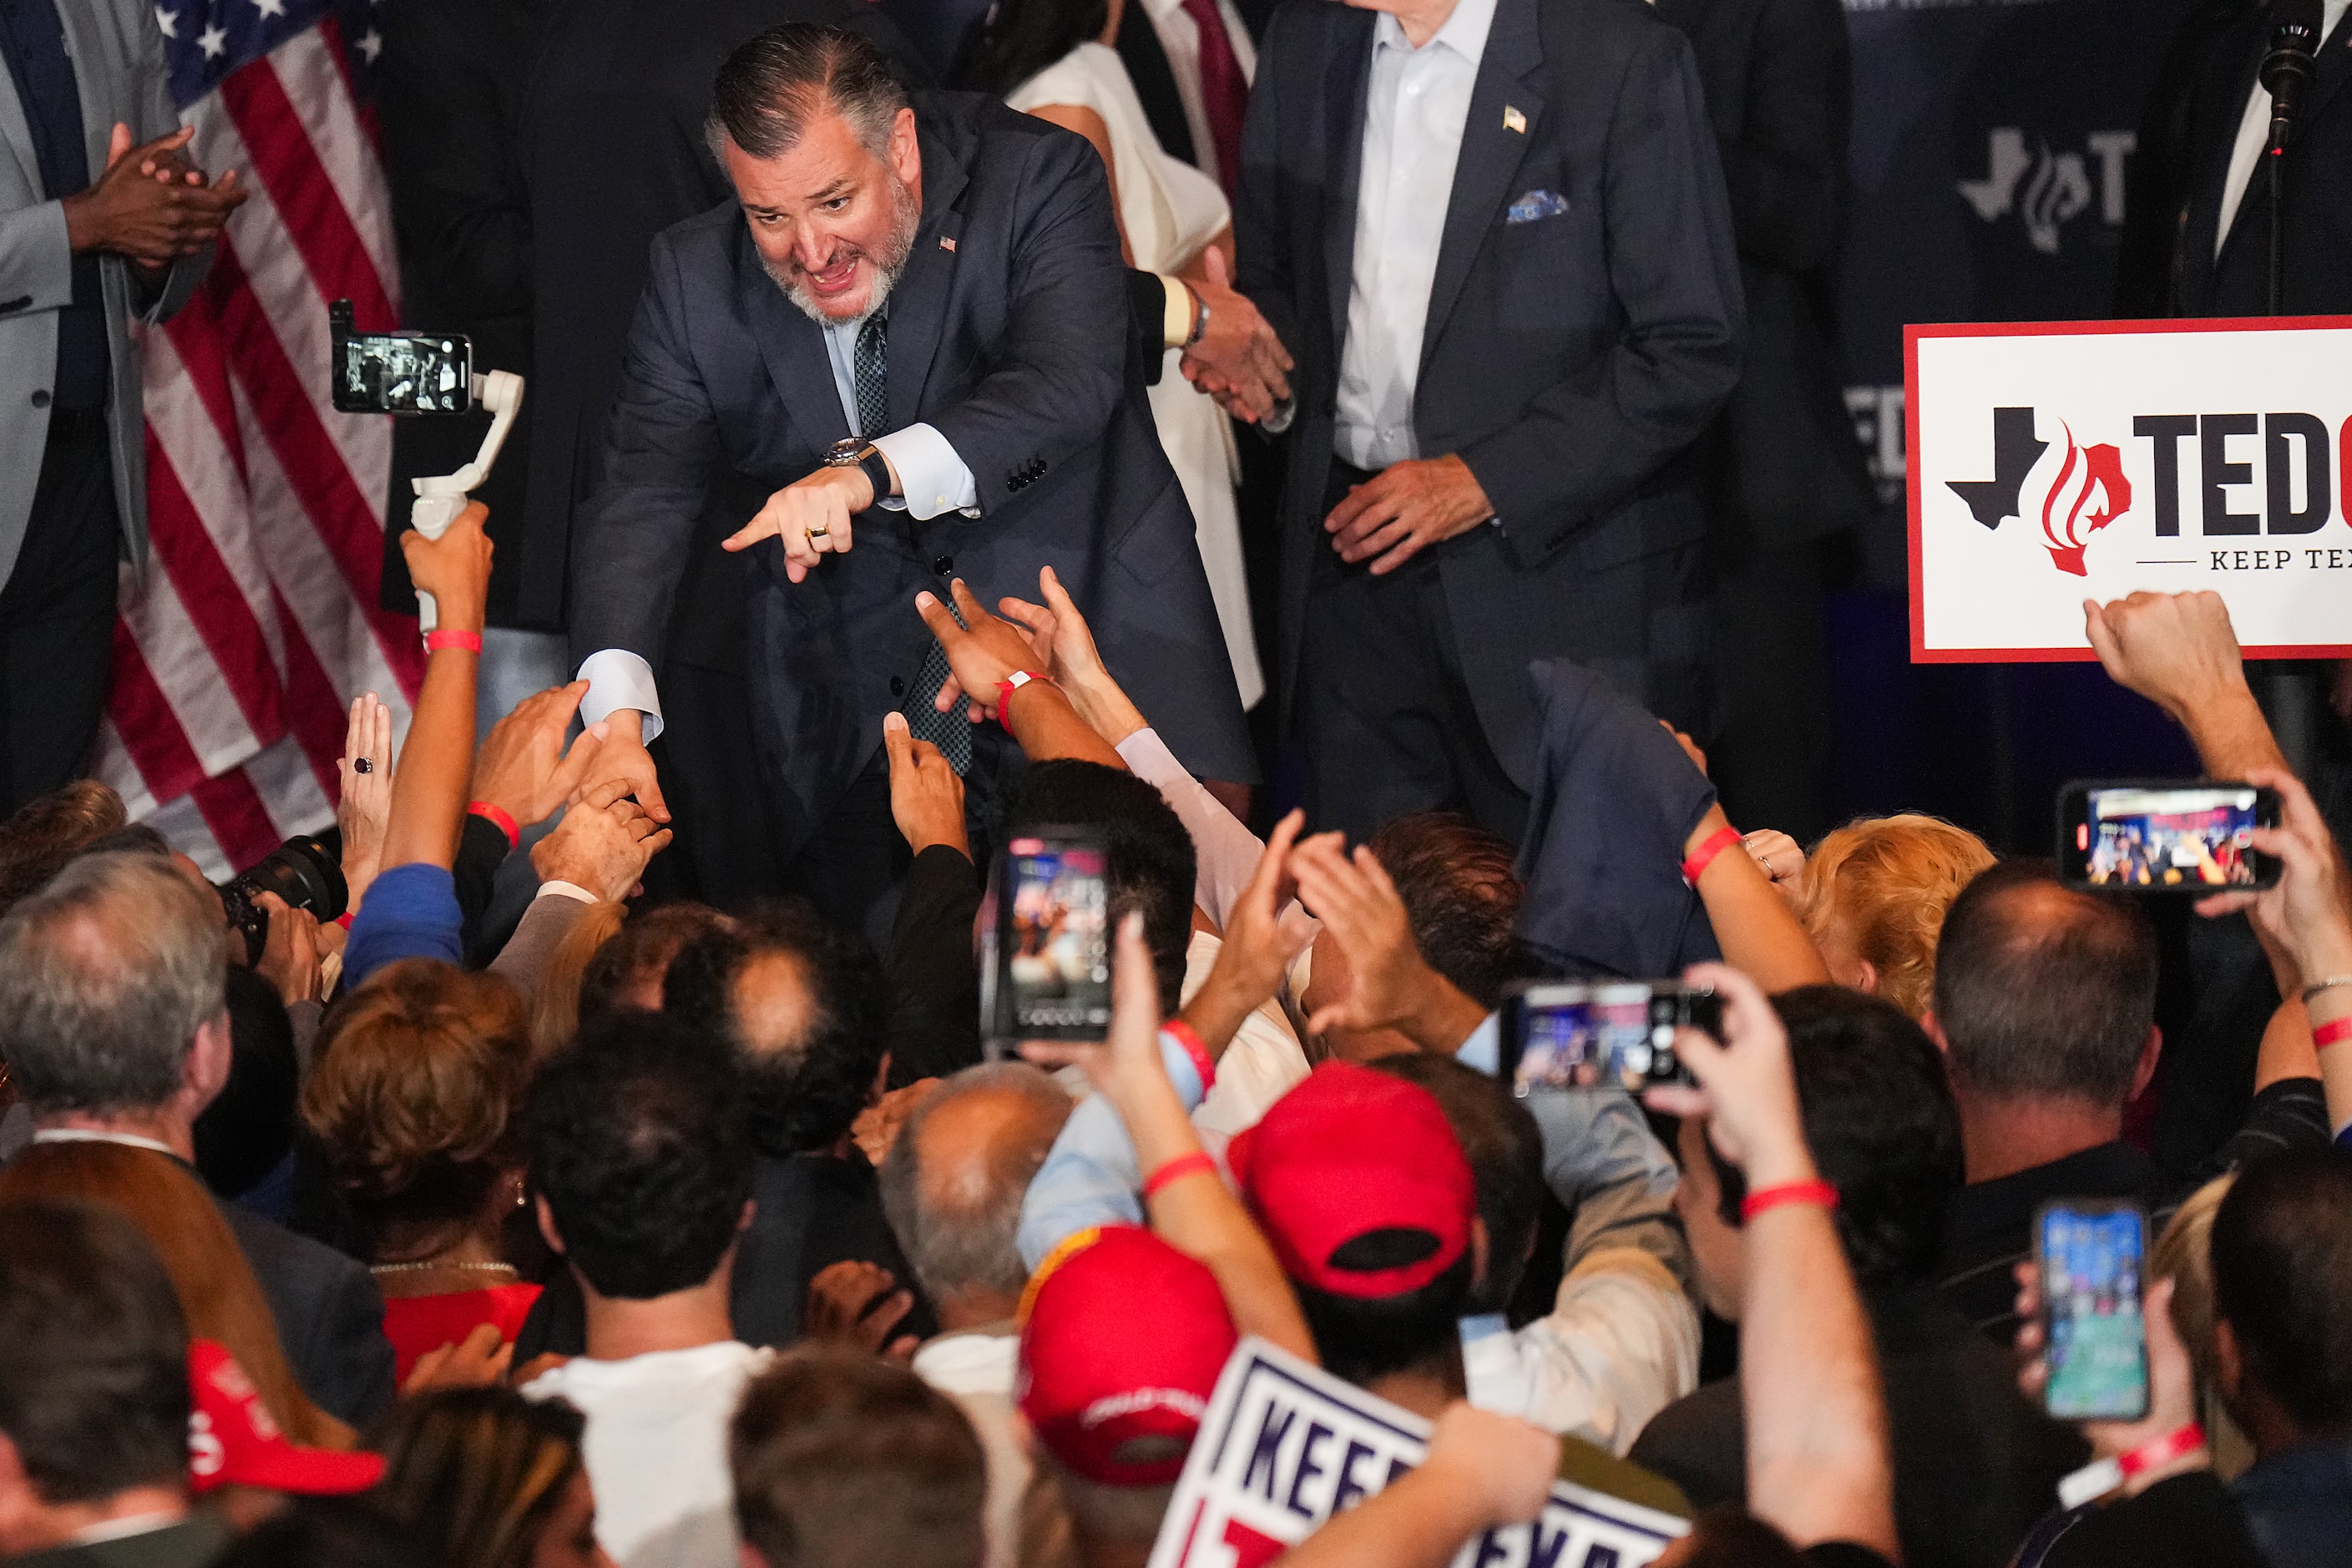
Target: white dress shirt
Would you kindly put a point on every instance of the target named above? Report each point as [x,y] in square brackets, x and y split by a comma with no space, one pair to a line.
[931,479]
[2254,134]
[1415,112]
[1180,40]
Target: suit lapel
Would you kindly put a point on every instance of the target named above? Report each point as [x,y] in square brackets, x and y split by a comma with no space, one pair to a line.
[1345,81]
[18,134]
[98,111]
[919,302]
[1491,152]
[792,348]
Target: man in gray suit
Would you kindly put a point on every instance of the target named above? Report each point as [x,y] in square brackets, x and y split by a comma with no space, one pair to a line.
[101,217]
[912,329]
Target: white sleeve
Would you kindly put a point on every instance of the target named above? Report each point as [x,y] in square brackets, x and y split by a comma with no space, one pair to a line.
[618,679]
[931,478]
[1620,1345]
[1226,851]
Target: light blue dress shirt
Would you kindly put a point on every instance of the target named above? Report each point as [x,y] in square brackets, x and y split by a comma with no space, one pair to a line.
[1415,110]
[931,479]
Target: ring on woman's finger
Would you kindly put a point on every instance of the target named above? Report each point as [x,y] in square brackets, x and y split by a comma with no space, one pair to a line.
[362,766]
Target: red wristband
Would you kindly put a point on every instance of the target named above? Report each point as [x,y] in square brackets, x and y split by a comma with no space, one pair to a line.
[1185,1036]
[2162,1451]
[1004,691]
[1704,856]
[2326,1035]
[470,642]
[344,921]
[1176,1170]
[1817,1193]
[497,819]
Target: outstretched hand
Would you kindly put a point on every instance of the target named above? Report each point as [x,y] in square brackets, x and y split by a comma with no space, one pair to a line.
[522,767]
[2306,915]
[982,651]
[1748,1084]
[926,796]
[1066,650]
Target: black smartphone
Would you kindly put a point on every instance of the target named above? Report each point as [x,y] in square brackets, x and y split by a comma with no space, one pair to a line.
[398,373]
[2154,836]
[2091,1256]
[1573,1033]
[1046,958]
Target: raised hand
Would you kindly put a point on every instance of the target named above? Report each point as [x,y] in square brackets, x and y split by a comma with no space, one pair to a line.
[523,769]
[926,796]
[982,652]
[625,757]
[1065,649]
[366,805]
[1390,985]
[1257,952]
[603,843]
[1748,1085]
[2307,914]
[454,568]
[856,1304]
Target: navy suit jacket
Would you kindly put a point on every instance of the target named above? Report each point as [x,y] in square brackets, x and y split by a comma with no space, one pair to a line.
[1009,333]
[2317,179]
[1569,360]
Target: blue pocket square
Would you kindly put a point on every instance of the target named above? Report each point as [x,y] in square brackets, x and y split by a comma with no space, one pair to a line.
[1535,204]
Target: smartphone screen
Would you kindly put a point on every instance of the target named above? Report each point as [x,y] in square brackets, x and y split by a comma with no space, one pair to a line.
[1568,1034]
[1053,941]
[2190,837]
[401,372]
[2091,1258]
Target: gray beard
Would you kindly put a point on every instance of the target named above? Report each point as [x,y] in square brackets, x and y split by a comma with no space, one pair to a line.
[887,267]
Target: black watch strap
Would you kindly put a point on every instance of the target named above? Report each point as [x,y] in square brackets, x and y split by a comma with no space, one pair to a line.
[876,471]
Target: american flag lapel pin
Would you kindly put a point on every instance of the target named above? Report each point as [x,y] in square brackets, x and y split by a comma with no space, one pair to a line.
[1513,121]
[946,244]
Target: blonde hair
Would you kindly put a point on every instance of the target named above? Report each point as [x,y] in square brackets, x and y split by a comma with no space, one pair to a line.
[1885,882]
[2184,1253]
[555,1011]
[218,1294]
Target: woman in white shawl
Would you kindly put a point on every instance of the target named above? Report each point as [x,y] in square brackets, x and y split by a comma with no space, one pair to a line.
[1051,59]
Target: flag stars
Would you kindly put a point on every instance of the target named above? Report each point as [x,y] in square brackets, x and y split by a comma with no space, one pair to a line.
[167,22]
[371,45]
[214,41]
[270,8]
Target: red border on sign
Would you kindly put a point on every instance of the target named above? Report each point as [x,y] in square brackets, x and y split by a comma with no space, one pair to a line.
[1920,653]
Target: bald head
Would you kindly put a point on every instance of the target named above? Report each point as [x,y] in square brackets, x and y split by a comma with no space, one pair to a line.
[2042,992]
[953,1183]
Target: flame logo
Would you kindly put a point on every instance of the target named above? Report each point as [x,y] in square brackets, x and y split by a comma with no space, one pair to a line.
[2101,469]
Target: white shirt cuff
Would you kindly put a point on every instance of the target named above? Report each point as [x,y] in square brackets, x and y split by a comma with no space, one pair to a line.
[618,679]
[567,891]
[931,478]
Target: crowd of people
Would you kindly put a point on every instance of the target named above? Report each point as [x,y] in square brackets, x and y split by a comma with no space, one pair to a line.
[655,1235]
[702,1227]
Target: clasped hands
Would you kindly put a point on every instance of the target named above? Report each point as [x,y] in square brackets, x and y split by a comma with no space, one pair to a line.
[151,204]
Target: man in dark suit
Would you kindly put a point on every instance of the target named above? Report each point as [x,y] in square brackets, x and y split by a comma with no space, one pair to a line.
[1491,458]
[94,1398]
[913,331]
[1783,469]
[115,945]
[2222,266]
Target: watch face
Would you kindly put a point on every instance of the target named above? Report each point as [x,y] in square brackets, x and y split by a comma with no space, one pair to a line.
[844,454]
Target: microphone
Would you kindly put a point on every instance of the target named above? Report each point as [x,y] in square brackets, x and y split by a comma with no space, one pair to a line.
[2288,70]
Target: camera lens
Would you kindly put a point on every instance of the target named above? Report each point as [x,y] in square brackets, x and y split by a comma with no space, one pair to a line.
[301,872]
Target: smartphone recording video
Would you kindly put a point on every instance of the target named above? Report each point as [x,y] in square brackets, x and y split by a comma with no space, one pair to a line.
[1047,972]
[2090,1257]
[1562,1034]
[398,373]
[2166,835]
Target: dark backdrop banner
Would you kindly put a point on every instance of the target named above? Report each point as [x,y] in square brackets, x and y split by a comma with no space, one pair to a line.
[1993,142]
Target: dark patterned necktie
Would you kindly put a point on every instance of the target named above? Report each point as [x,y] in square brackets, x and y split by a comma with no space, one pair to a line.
[951,732]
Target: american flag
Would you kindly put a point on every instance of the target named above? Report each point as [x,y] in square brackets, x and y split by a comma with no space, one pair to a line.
[236,656]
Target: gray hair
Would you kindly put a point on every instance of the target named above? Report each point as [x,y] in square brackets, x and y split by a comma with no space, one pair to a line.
[106,974]
[957,1227]
[777,82]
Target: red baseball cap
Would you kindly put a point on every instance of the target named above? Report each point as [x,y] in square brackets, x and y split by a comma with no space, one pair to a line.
[233,1441]
[1122,1337]
[1357,1180]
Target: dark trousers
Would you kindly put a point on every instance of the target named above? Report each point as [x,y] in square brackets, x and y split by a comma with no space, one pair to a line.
[57,615]
[1384,711]
[1770,751]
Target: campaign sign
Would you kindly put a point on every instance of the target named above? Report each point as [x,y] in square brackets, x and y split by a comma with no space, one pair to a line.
[1285,1445]
[2055,462]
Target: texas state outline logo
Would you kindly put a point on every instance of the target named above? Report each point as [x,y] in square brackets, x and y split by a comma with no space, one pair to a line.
[2069,519]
